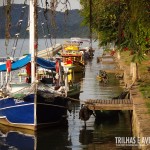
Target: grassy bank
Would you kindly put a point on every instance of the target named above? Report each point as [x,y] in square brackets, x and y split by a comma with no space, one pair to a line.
[144,74]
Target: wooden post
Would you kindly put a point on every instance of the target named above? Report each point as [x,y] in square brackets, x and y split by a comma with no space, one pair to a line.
[134,72]
[131,68]
[118,55]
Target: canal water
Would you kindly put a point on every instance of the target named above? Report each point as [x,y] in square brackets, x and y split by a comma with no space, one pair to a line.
[98,134]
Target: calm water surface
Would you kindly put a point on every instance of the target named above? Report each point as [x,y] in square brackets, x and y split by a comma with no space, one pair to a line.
[96,135]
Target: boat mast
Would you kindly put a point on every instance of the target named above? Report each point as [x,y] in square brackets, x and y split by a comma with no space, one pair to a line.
[33,49]
[32,38]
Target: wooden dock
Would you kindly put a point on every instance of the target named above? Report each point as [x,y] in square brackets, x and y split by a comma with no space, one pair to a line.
[110,104]
[101,58]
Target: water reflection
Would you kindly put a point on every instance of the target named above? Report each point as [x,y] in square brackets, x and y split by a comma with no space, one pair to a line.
[97,135]
[92,87]
[15,139]
[102,137]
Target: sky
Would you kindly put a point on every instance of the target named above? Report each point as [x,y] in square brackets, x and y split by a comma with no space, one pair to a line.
[75,4]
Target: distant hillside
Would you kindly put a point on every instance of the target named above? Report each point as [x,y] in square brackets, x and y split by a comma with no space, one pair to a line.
[66,25]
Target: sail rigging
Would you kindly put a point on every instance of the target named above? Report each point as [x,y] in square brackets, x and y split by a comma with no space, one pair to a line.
[34,104]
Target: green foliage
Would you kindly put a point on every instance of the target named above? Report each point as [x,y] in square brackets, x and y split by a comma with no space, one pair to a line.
[145,90]
[127,22]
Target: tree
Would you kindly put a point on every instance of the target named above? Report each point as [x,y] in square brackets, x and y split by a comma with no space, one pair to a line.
[127,22]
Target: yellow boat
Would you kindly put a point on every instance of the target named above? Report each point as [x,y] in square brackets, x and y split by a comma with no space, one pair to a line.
[71,56]
[102,78]
[99,78]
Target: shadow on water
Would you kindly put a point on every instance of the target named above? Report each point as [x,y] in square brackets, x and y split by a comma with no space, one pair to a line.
[106,117]
[97,135]
[102,137]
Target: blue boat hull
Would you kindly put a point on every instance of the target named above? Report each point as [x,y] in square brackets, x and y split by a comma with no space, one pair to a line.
[27,114]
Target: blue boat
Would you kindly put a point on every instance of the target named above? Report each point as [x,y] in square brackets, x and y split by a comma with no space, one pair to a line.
[22,113]
[31,105]
[25,110]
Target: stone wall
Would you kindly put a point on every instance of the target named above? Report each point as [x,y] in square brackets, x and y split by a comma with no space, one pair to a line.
[140,115]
